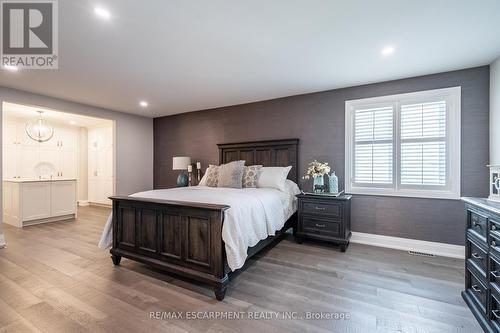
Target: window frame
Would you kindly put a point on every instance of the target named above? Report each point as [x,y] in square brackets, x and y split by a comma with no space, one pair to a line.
[452,96]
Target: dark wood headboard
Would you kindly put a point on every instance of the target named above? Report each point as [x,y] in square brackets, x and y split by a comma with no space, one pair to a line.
[268,153]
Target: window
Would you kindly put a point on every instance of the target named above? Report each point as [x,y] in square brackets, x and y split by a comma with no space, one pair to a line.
[404,145]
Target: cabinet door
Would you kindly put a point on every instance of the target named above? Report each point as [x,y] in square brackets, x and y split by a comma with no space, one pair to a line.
[108,160]
[9,161]
[50,156]
[36,201]
[105,191]
[67,162]
[28,158]
[100,163]
[92,164]
[67,139]
[93,139]
[63,198]
[9,133]
[23,138]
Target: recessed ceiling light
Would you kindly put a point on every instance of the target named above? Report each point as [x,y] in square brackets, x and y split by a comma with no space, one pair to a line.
[388,50]
[144,104]
[10,68]
[72,122]
[102,13]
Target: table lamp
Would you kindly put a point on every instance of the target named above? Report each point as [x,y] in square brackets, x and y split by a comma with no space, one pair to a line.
[181,163]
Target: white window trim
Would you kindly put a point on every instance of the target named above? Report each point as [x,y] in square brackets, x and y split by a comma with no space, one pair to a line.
[453,98]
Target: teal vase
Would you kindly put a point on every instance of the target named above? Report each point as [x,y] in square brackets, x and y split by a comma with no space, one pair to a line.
[318,181]
[333,183]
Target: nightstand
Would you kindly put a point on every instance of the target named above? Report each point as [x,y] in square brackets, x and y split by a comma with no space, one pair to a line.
[324,217]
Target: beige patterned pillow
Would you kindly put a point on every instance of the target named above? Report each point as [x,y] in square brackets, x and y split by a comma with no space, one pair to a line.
[231,174]
[212,176]
[251,176]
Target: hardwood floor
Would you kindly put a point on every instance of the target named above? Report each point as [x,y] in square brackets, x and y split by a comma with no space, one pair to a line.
[54,281]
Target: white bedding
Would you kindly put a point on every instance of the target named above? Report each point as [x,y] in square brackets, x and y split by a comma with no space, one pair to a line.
[255,214]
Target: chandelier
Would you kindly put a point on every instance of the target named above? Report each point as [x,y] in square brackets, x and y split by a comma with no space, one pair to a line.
[40,130]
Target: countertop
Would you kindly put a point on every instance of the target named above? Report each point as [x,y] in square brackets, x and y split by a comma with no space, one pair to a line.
[484,203]
[21,180]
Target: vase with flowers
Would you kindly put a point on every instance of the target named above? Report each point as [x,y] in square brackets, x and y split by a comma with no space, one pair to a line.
[317,170]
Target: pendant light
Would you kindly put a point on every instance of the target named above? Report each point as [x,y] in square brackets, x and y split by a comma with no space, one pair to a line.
[40,130]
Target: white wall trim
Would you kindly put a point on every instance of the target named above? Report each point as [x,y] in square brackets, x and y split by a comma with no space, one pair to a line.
[406,244]
[83,203]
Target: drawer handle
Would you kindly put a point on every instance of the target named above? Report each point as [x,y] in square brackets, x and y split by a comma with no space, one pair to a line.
[476,289]
[476,256]
[495,274]
[477,225]
[320,225]
[496,314]
[493,243]
[493,227]
[319,208]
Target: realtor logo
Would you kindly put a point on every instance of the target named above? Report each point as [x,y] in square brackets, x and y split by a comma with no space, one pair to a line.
[29,34]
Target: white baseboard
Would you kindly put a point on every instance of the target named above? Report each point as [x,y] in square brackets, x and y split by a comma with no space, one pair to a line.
[2,241]
[83,203]
[406,244]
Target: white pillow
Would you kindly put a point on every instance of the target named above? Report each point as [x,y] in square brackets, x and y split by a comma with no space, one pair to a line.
[203,181]
[274,177]
[291,187]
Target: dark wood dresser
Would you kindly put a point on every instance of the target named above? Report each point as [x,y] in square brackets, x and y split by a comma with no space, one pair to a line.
[482,262]
[325,218]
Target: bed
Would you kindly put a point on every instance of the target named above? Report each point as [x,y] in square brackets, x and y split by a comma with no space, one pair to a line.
[185,237]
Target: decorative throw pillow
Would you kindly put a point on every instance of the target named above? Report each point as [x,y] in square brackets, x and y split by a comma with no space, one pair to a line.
[231,174]
[274,177]
[212,176]
[251,176]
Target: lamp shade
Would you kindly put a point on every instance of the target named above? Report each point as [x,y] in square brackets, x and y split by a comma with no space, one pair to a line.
[180,162]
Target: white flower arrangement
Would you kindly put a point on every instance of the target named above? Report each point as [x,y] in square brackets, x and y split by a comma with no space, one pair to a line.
[316,169]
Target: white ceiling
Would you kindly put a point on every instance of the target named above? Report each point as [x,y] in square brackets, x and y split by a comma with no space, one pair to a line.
[26,113]
[190,55]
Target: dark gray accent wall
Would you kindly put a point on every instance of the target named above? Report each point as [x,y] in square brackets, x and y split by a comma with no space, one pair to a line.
[318,121]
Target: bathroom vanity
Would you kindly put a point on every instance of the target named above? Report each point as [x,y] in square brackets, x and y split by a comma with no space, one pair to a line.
[28,202]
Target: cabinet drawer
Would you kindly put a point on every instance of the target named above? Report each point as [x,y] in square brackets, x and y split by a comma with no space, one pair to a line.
[478,291]
[494,242]
[477,223]
[318,226]
[477,256]
[494,277]
[322,208]
[494,314]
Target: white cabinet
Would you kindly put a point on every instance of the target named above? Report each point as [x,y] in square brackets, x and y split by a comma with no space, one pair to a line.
[27,159]
[100,165]
[22,155]
[9,162]
[63,198]
[34,202]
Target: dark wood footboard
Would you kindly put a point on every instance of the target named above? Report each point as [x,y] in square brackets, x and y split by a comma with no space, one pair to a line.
[184,238]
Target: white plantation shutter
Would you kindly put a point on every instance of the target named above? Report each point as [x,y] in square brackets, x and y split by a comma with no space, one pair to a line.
[404,145]
[423,144]
[373,148]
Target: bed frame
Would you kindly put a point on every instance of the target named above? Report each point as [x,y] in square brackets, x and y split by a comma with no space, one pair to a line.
[185,238]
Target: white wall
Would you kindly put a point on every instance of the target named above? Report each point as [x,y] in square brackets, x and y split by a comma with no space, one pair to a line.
[134,138]
[495,112]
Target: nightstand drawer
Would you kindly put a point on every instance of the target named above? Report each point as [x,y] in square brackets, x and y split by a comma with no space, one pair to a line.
[478,223]
[318,226]
[322,208]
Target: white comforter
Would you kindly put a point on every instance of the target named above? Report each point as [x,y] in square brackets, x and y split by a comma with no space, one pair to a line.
[255,214]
